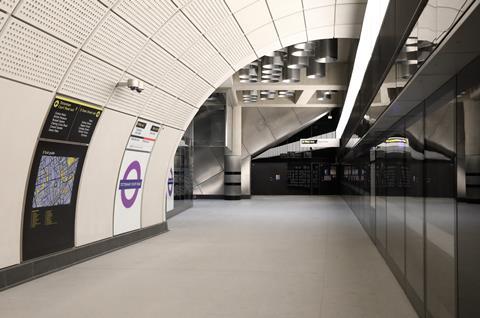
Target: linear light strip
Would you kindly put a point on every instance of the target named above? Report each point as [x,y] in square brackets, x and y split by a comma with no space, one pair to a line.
[372,23]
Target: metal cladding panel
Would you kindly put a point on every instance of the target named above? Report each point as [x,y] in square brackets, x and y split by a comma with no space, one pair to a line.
[206,14]
[205,158]
[91,79]
[8,5]
[213,186]
[177,79]
[116,42]
[33,57]
[128,101]
[69,20]
[152,63]
[253,16]
[231,43]
[146,15]
[281,121]
[3,19]
[205,61]
[255,132]
[178,27]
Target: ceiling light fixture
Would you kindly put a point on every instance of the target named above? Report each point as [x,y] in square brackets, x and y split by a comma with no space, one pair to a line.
[315,69]
[326,51]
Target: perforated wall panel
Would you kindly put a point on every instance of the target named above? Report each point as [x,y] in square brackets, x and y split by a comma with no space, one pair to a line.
[205,61]
[31,56]
[177,79]
[91,79]
[146,15]
[128,101]
[116,41]
[69,20]
[231,42]
[3,19]
[152,64]
[8,5]
[108,3]
[206,14]
[168,110]
[178,27]
[181,3]
[198,90]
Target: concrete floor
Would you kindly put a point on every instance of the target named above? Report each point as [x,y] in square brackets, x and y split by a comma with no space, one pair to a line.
[278,257]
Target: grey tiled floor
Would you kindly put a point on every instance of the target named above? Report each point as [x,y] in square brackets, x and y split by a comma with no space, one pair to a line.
[278,257]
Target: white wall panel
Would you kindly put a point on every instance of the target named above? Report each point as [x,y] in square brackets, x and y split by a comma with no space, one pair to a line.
[152,63]
[168,110]
[22,111]
[33,57]
[253,16]
[312,17]
[3,19]
[231,43]
[264,39]
[177,79]
[69,20]
[91,79]
[94,215]
[108,3]
[153,201]
[206,14]
[128,101]
[146,15]
[177,35]
[8,5]
[349,13]
[292,25]
[205,61]
[196,92]
[116,42]
[282,8]
[237,5]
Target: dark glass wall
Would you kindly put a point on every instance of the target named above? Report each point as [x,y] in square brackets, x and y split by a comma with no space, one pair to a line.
[421,184]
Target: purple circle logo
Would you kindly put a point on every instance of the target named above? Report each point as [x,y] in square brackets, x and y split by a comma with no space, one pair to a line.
[128,183]
[170,183]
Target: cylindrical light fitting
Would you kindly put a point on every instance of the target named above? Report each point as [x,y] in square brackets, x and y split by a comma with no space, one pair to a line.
[291,75]
[326,51]
[315,69]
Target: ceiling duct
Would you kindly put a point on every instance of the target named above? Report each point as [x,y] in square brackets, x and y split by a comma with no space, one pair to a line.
[291,75]
[303,49]
[315,69]
[326,51]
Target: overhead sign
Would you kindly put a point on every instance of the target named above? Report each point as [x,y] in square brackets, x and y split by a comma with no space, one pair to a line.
[49,213]
[320,143]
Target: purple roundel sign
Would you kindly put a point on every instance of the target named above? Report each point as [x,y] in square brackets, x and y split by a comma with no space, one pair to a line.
[129,183]
[170,183]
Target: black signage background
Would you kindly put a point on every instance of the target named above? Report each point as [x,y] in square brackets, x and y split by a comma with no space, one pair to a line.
[49,216]
[69,120]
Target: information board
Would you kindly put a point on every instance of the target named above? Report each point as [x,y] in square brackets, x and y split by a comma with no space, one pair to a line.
[49,214]
[49,219]
[143,136]
[170,189]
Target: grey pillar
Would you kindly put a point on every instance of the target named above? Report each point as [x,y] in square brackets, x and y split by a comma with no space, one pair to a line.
[233,159]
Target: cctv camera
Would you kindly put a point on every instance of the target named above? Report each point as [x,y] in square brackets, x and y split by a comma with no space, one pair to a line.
[140,87]
[132,83]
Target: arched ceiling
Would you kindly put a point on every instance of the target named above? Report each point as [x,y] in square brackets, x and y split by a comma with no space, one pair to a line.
[182,50]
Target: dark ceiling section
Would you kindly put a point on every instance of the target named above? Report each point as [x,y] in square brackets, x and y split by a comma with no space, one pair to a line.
[399,21]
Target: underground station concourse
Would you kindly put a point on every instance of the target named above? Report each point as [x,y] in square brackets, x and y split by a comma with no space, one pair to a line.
[240,158]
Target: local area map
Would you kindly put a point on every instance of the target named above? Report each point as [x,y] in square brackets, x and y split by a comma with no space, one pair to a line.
[54,182]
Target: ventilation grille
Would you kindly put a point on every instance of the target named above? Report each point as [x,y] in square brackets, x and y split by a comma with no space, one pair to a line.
[8,5]
[230,40]
[177,79]
[33,57]
[128,101]
[198,90]
[206,14]
[146,15]
[152,63]
[206,61]
[91,79]
[168,110]
[116,42]
[69,20]
[177,28]
[3,19]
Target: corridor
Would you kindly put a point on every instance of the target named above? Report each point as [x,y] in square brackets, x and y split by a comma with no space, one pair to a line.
[268,257]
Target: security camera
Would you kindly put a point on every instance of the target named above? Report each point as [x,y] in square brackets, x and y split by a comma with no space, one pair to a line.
[133,84]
